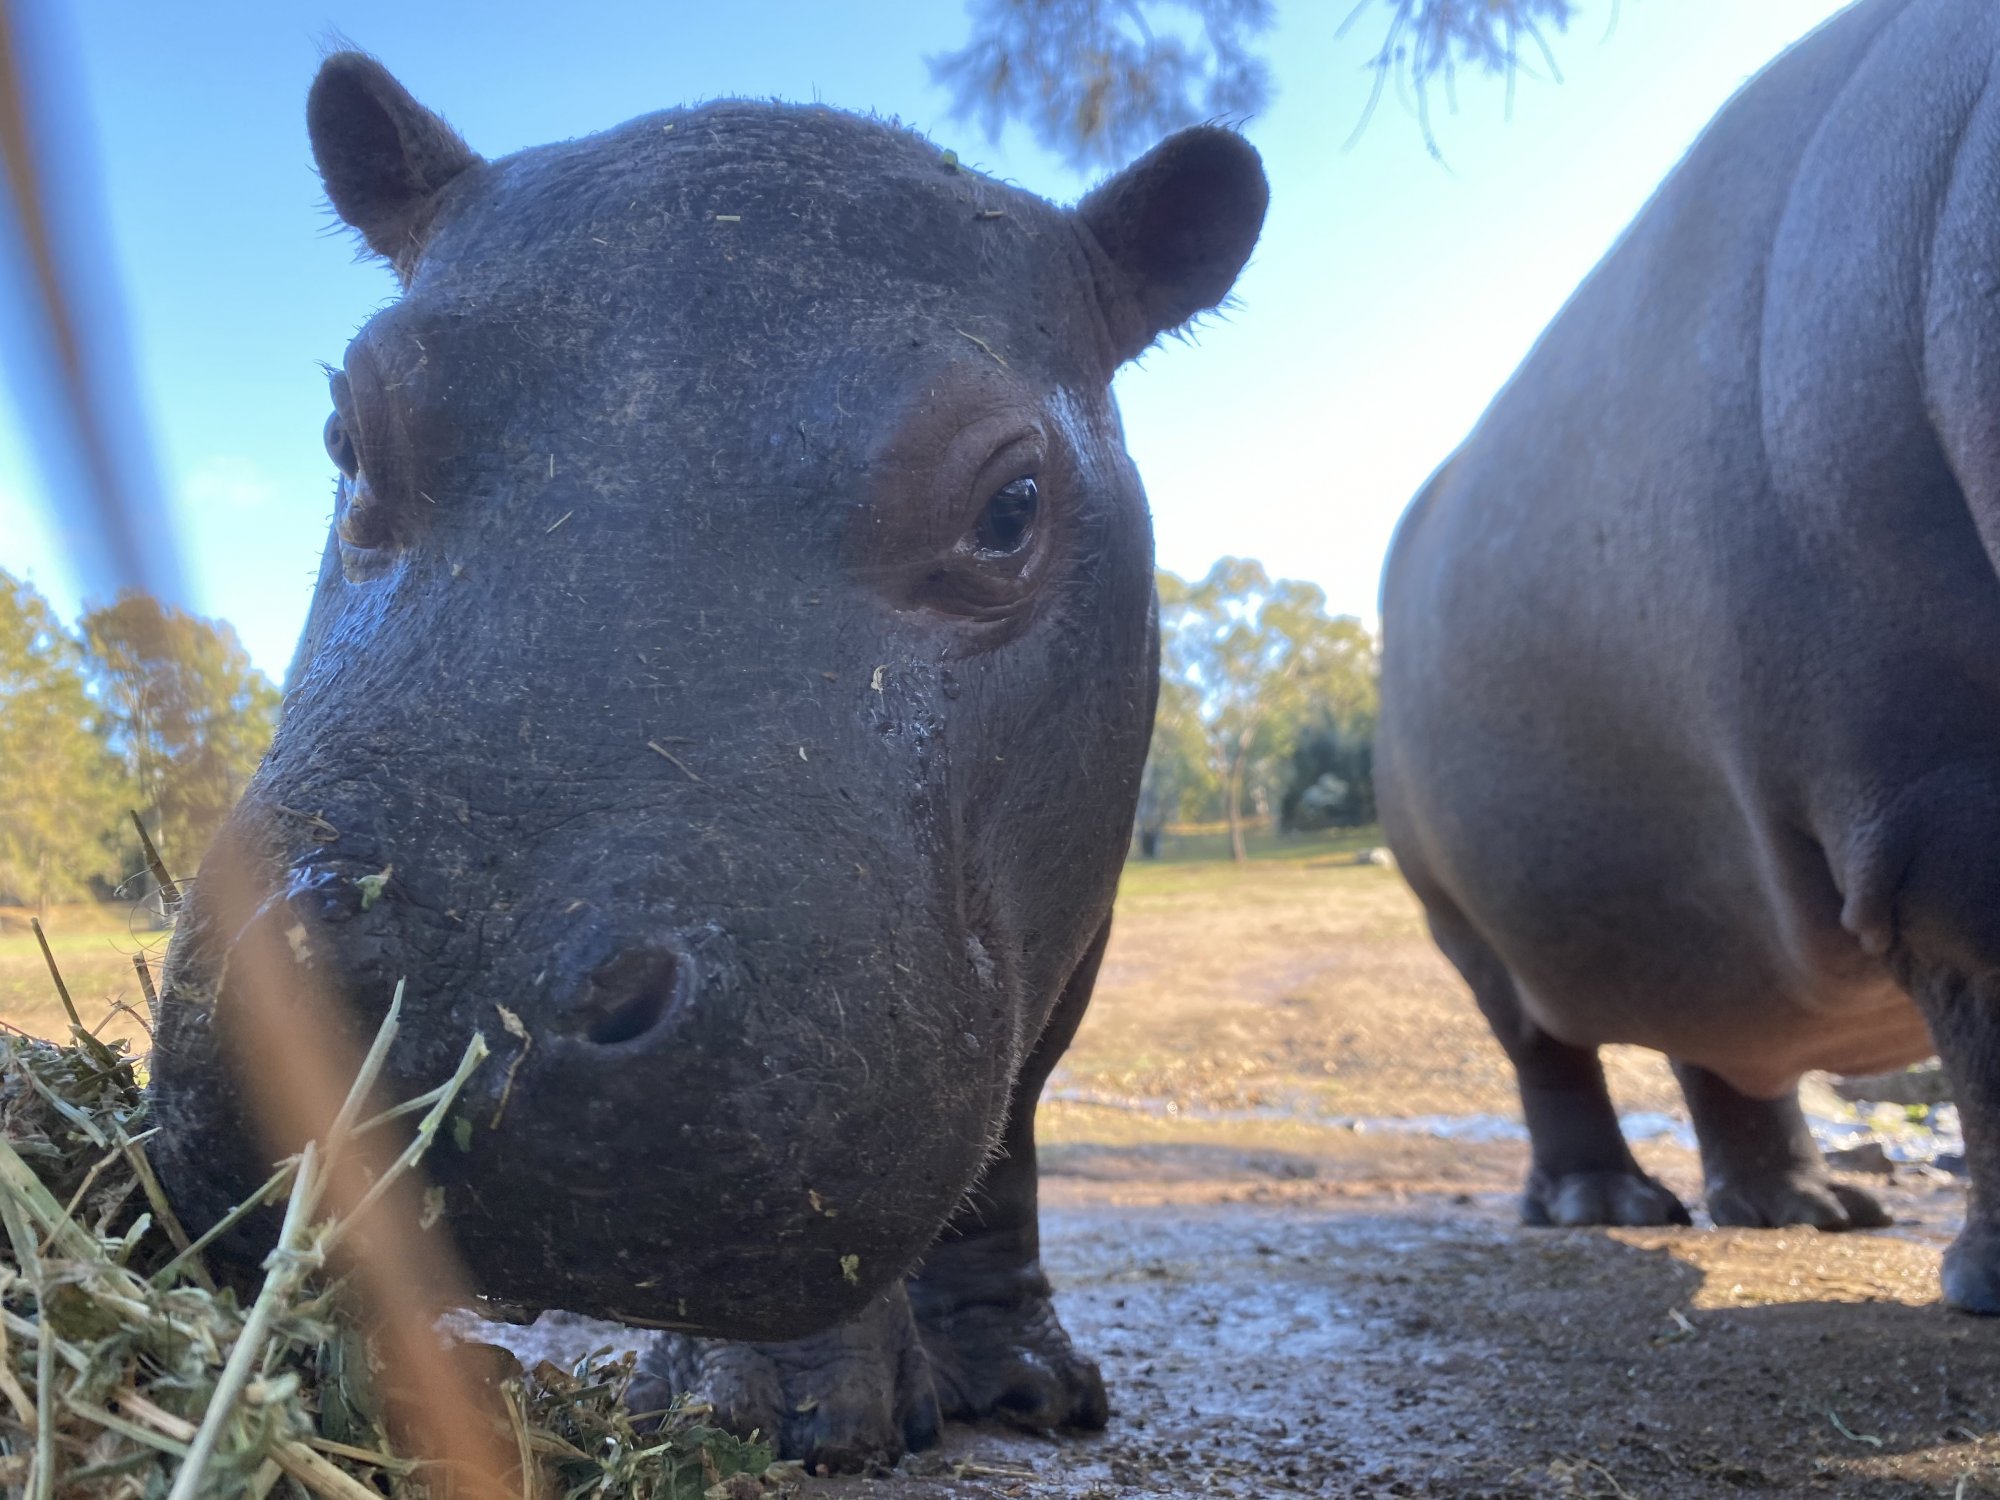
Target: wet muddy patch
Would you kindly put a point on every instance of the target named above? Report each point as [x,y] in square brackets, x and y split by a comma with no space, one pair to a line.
[1390,1345]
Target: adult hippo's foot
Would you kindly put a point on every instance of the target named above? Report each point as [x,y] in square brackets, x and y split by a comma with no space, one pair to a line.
[1807,1197]
[996,1347]
[1620,1196]
[1970,1275]
[852,1399]
[1763,1168]
[1582,1170]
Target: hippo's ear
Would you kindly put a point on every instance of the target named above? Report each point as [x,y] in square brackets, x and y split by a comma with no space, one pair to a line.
[1177,226]
[383,157]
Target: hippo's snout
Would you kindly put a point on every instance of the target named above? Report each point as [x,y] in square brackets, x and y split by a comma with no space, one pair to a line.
[712,1126]
[625,993]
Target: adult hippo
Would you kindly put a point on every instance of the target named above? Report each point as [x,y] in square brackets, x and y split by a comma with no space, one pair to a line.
[735,648]
[1691,699]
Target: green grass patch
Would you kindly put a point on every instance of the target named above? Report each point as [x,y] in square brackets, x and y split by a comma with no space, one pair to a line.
[1193,863]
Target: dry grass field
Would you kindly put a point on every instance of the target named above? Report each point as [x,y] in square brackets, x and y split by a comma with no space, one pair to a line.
[1300,983]
[94,947]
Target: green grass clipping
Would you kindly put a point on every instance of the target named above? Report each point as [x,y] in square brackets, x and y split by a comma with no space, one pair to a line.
[129,1372]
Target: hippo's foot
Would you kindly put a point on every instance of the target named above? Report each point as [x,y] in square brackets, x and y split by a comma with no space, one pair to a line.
[998,1350]
[1763,1167]
[1971,1271]
[1805,1195]
[850,1400]
[1616,1197]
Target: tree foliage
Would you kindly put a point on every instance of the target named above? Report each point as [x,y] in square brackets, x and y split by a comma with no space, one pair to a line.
[1180,782]
[1099,80]
[146,709]
[1262,660]
[1330,779]
[186,711]
[62,791]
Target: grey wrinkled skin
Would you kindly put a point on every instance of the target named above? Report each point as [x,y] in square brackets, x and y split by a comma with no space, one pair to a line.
[690,653]
[1691,701]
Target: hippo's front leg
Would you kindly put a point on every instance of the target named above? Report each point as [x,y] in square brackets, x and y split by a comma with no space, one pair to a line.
[984,1342]
[982,1301]
[1581,1170]
[852,1398]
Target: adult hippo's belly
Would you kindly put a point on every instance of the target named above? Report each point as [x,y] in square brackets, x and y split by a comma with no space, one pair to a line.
[727,686]
[1691,700]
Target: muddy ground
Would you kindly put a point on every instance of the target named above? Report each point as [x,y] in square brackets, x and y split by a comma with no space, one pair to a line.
[1288,1305]
[1368,1320]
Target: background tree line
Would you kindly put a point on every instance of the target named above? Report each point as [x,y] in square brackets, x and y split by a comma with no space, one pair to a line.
[1267,708]
[1101,80]
[140,708]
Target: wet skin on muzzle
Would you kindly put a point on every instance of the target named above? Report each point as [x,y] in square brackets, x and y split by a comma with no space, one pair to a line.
[735,641]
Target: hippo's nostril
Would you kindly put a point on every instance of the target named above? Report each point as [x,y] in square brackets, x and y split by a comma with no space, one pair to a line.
[632,995]
[629,1019]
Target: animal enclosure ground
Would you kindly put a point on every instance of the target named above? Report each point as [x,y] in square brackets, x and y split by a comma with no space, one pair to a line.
[1289,1307]
[1286,1305]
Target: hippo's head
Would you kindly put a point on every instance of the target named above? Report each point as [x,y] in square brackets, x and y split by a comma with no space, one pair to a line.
[734,645]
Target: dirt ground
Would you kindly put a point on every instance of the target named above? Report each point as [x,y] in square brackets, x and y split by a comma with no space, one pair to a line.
[1284,1305]
[1304,1278]
[1362,1321]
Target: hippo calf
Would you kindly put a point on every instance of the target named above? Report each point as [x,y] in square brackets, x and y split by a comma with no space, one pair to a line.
[1691,698]
[734,657]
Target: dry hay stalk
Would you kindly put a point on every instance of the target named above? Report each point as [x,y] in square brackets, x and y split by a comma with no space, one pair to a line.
[124,1371]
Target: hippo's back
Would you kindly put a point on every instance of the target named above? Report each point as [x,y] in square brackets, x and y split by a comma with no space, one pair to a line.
[1635,641]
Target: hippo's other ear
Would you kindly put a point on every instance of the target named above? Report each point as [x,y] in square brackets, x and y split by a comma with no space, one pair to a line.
[383,157]
[1177,226]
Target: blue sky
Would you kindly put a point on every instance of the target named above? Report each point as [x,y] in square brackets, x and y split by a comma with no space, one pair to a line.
[1390,298]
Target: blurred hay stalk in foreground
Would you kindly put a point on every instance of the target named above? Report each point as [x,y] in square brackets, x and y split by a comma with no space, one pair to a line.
[126,1372]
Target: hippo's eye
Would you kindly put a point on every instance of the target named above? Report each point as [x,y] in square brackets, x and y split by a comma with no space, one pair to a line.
[340,446]
[1008,520]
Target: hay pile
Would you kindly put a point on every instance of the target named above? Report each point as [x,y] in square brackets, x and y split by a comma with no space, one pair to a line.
[127,1371]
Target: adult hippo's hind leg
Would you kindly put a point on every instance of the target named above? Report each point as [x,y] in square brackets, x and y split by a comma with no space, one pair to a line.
[981,1300]
[1582,1171]
[1761,1165]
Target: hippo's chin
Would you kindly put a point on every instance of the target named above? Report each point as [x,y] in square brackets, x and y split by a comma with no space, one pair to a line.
[766,1293]
[763,1258]
[633,1257]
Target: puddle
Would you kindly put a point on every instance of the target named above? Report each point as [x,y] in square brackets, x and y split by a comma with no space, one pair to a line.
[1932,1137]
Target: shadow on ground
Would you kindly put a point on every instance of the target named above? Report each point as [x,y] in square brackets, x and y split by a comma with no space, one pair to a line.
[1332,1342]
